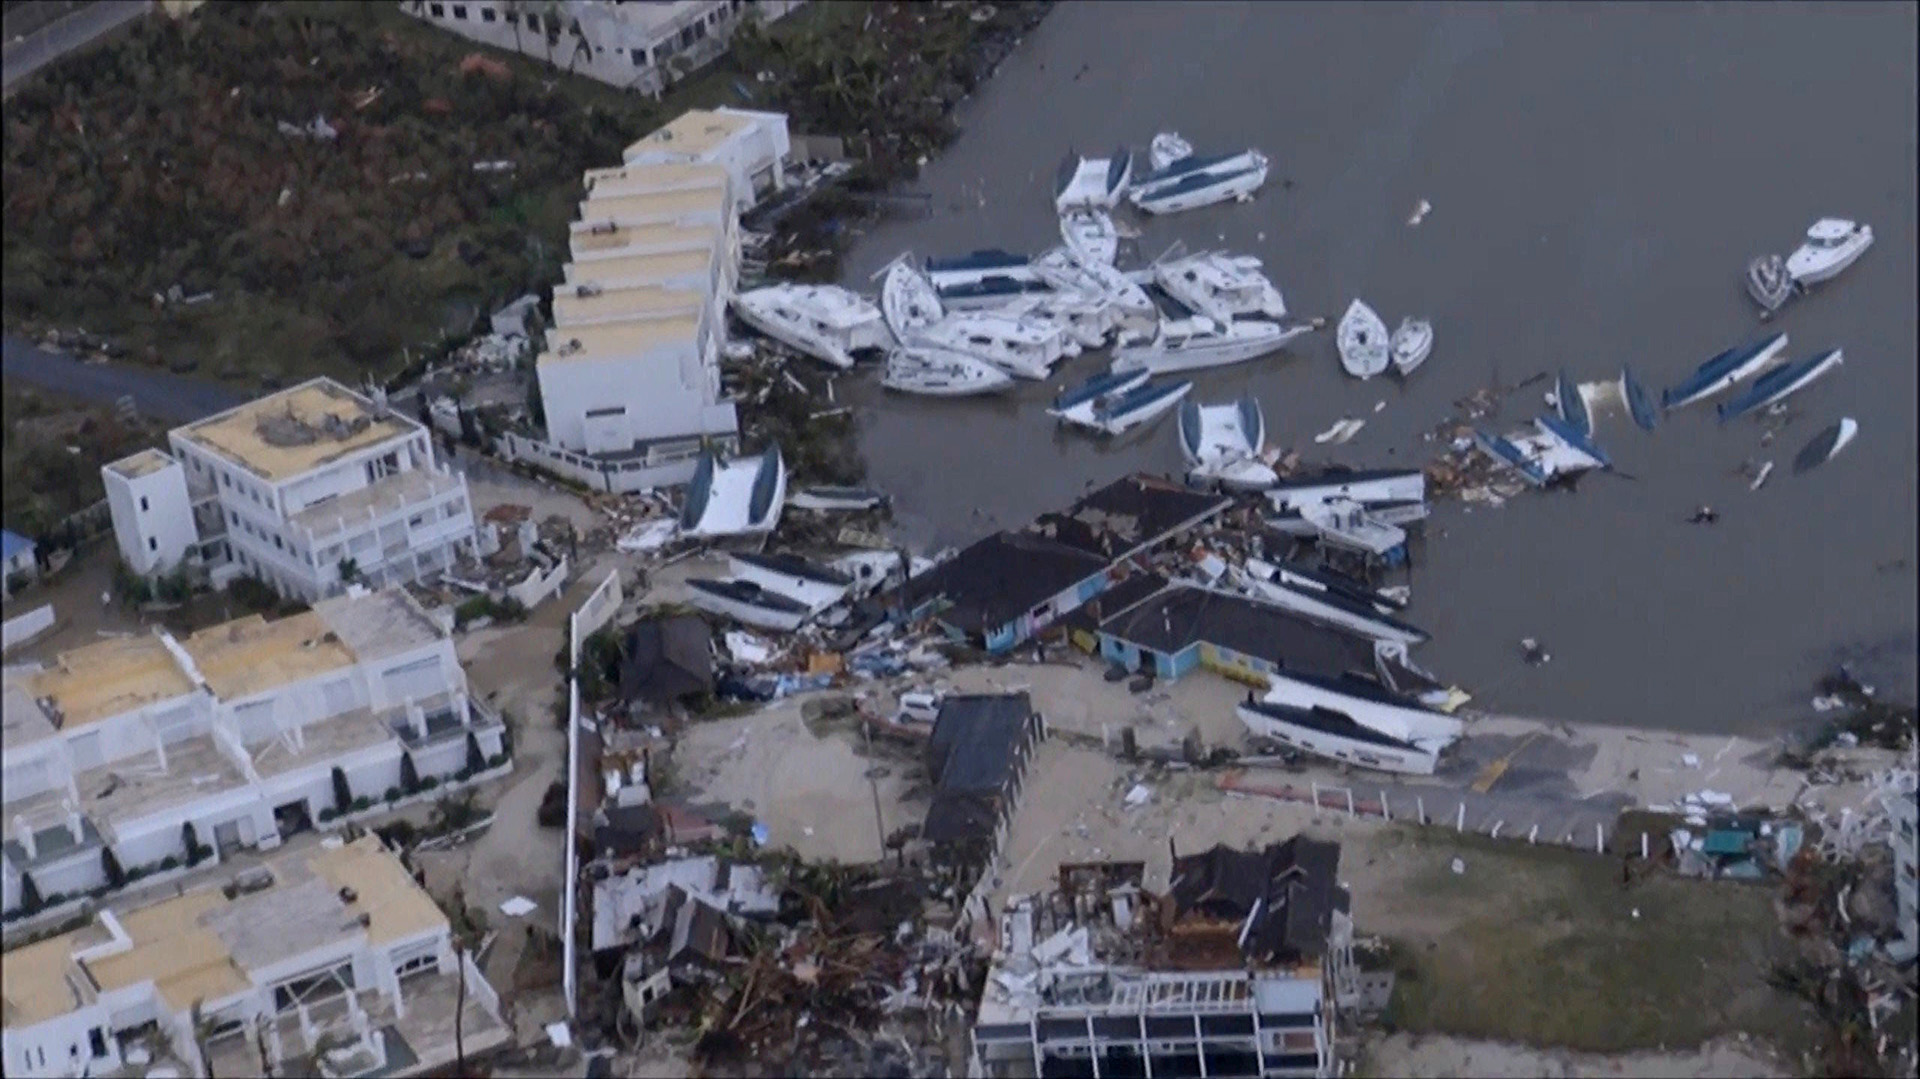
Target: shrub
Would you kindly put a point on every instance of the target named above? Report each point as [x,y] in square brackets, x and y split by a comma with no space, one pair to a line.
[190,840]
[137,872]
[342,793]
[496,760]
[327,814]
[16,582]
[463,775]
[169,862]
[30,900]
[393,794]
[362,802]
[398,834]
[472,610]
[110,864]
[429,783]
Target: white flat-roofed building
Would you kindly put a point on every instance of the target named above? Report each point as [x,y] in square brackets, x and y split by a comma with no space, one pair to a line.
[619,386]
[293,488]
[335,946]
[752,146]
[645,46]
[235,730]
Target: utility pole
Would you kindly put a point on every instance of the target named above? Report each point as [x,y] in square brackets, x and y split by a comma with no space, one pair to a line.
[873,784]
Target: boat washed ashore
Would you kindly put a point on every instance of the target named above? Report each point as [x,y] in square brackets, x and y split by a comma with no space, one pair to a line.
[1832,245]
[826,322]
[908,300]
[1091,235]
[1097,182]
[1076,403]
[735,498]
[939,372]
[1222,444]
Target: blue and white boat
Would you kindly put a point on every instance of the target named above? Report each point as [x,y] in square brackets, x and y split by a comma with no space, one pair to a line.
[1724,370]
[1222,443]
[1558,428]
[738,497]
[986,262]
[1328,600]
[1196,181]
[1076,403]
[994,290]
[1117,414]
[1777,384]
[1091,181]
[1504,451]
[747,602]
[1572,404]
[1639,401]
[1826,445]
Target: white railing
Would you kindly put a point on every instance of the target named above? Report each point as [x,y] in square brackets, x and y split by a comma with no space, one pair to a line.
[596,611]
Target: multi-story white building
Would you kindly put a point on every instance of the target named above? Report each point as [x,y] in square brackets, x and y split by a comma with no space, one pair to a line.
[334,950]
[308,489]
[630,377]
[234,731]
[644,45]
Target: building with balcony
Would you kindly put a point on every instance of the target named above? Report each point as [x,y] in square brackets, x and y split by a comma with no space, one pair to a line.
[232,735]
[630,375]
[308,489]
[644,45]
[327,962]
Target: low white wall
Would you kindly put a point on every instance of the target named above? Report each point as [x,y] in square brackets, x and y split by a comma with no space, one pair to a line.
[537,589]
[19,630]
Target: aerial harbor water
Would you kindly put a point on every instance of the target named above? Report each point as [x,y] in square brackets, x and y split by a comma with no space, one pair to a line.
[1599,176]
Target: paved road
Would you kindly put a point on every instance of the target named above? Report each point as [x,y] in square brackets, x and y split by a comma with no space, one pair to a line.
[169,397]
[18,59]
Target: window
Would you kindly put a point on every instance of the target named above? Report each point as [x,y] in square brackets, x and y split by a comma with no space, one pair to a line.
[419,964]
[487,15]
[318,986]
[143,503]
[437,11]
[459,11]
[97,1042]
[227,478]
[277,544]
[639,58]
[533,21]
[152,544]
[417,520]
[513,17]
[233,518]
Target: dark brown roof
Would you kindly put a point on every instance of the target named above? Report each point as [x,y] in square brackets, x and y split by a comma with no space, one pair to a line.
[1127,515]
[1183,614]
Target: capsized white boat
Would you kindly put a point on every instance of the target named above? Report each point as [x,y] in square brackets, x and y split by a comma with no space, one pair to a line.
[1196,181]
[976,266]
[826,322]
[747,603]
[1369,704]
[738,497]
[1193,343]
[1091,181]
[1090,234]
[1118,413]
[1365,349]
[1023,346]
[908,300]
[1411,344]
[938,372]
[1826,445]
[1075,404]
[1327,600]
[1222,443]
[1220,287]
[1166,148]
[1328,732]
[1833,244]
[803,580]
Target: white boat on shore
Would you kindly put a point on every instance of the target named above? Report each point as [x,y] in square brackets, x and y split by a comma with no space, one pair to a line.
[908,300]
[738,497]
[747,603]
[1220,287]
[1330,602]
[1194,343]
[937,372]
[1090,234]
[1194,181]
[1369,704]
[1222,443]
[1021,345]
[826,322]
[1412,343]
[1365,347]
[1166,148]
[1337,736]
[802,580]
[1091,181]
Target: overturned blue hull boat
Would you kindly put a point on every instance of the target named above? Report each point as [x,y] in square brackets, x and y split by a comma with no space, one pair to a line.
[1504,451]
[1639,401]
[1572,404]
[1572,436]
[1724,370]
[1779,383]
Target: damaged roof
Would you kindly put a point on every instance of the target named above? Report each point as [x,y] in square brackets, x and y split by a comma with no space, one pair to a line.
[1290,891]
[1000,578]
[1128,515]
[668,659]
[1184,614]
[975,753]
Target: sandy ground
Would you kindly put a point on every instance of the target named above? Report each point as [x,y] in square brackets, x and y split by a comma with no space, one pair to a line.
[812,791]
[490,485]
[1416,1056]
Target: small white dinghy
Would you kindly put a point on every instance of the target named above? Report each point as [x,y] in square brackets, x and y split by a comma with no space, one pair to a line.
[1167,147]
[1091,235]
[908,300]
[1411,344]
[1223,443]
[937,372]
[1365,349]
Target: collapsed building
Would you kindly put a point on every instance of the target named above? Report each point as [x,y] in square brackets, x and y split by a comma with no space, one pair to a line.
[1236,971]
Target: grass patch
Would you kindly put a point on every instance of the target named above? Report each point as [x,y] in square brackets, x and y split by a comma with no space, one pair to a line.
[1539,945]
[50,461]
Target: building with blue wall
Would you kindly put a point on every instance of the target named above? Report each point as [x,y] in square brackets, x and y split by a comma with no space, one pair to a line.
[1183,626]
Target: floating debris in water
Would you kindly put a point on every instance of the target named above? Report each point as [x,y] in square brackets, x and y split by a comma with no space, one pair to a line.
[1420,212]
[1760,477]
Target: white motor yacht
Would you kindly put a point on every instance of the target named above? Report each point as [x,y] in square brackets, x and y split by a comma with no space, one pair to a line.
[1220,286]
[1196,181]
[826,322]
[1222,443]
[1024,346]
[1167,147]
[1833,244]
[1193,343]
[1090,234]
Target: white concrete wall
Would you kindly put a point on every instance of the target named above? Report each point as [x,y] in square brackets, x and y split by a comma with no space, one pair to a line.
[152,517]
[665,393]
[23,628]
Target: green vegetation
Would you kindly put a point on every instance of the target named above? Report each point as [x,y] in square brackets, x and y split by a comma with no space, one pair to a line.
[50,461]
[1542,945]
[158,161]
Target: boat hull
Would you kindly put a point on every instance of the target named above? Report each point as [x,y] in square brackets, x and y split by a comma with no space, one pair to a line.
[1326,736]
[1826,445]
[1812,265]
[832,354]
[1363,342]
[1236,177]
[1723,371]
[1332,611]
[908,301]
[1158,359]
[1639,402]
[1777,385]
[779,618]
[1412,343]
[1150,409]
[1504,451]
[1077,404]
[1572,405]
